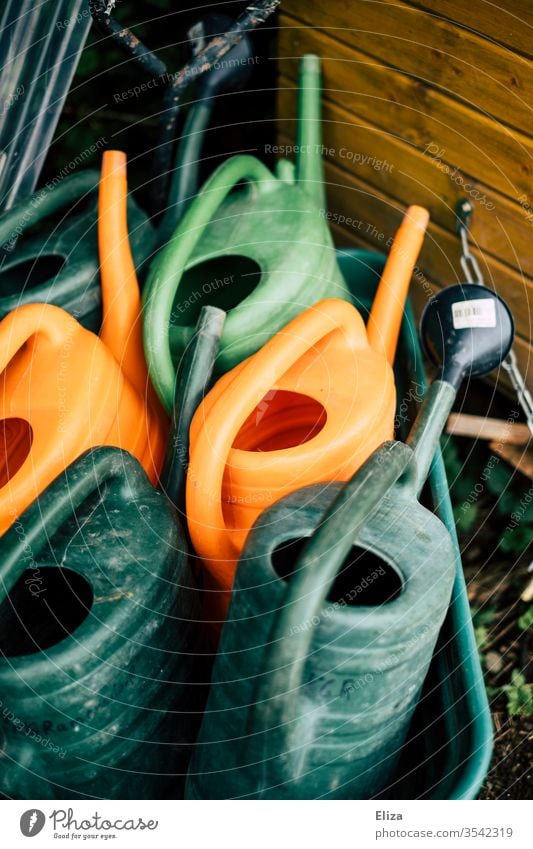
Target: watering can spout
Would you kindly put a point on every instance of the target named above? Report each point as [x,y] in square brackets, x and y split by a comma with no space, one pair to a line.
[309,168]
[121,328]
[387,310]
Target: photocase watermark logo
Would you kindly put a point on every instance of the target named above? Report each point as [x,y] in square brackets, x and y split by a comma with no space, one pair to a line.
[32,822]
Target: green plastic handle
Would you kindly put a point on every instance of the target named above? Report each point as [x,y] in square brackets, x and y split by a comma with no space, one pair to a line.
[427,429]
[24,540]
[425,434]
[45,202]
[273,708]
[166,272]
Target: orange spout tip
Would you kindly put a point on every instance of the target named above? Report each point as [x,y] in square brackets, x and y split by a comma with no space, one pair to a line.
[389,303]
[114,164]
[417,218]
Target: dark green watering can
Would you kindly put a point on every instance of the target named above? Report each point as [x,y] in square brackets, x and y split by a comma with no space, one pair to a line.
[325,650]
[98,637]
[60,265]
[18,765]
[263,253]
[337,605]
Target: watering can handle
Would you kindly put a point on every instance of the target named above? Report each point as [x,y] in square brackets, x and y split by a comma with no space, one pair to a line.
[43,203]
[273,707]
[255,379]
[163,280]
[23,542]
[23,323]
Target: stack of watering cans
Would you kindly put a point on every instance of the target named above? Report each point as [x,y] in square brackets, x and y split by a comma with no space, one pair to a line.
[197,597]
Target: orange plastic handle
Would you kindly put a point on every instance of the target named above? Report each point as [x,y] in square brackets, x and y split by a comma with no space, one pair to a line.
[387,310]
[256,377]
[21,325]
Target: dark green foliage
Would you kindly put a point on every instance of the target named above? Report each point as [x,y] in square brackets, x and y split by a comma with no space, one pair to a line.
[482,483]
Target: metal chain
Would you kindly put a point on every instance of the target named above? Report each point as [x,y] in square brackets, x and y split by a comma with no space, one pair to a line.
[474,275]
[517,379]
[469,263]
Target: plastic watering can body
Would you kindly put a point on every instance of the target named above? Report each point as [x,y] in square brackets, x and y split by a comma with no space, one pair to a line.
[310,406]
[263,253]
[18,766]
[62,392]
[264,256]
[288,263]
[60,265]
[326,719]
[98,635]
[448,750]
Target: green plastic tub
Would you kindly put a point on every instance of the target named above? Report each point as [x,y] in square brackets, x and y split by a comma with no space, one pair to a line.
[448,752]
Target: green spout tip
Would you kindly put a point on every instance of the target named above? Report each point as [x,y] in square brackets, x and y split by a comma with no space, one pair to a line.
[310,64]
[309,171]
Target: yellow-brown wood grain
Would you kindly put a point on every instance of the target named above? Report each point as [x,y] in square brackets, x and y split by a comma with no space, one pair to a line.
[509,22]
[416,112]
[486,76]
[499,227]
[425,101]
[375,218]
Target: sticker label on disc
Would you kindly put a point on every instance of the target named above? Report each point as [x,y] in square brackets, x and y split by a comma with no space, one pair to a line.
[478,313]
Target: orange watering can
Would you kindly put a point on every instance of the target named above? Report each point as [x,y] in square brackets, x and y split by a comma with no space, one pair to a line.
[310,406]
[64,390]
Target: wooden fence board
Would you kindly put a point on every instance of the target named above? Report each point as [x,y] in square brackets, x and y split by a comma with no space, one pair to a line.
[512,26]
[500,227]
[482,74]
[420,115]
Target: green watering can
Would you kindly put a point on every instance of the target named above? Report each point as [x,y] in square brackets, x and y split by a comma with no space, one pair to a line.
[18,765]
[263,253]
[61,265]
[337,605]
[98,638]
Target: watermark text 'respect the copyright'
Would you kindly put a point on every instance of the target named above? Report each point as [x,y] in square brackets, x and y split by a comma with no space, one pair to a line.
[355,156]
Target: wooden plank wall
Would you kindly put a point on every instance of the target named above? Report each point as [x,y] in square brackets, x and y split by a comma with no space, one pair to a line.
[425,102]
